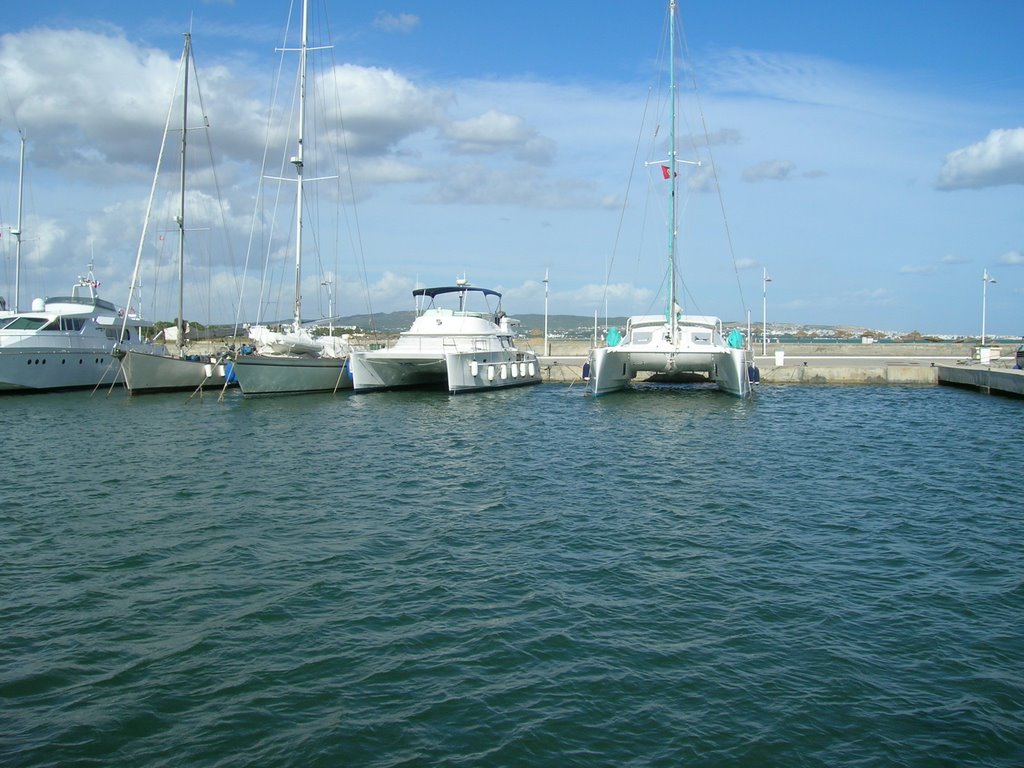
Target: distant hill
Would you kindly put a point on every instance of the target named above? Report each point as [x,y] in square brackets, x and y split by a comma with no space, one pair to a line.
[393,322]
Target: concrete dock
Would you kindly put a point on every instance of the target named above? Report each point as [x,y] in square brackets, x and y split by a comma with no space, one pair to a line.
[984,378]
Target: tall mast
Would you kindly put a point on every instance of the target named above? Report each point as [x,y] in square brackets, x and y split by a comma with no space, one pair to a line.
[186,57]
[672,170]
[17,232]
[297,162]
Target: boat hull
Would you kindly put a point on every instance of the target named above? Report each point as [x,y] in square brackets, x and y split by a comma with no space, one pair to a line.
[270,375]
[28,369]
[458,372]
[612,369]
[381,371]
[150,372]
[475,372]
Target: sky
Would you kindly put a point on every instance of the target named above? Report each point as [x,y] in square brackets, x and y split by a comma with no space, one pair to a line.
[868,157]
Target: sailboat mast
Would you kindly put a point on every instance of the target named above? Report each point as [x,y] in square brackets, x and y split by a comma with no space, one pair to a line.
[672,171]
[186,57]
[297,162]
[17,232]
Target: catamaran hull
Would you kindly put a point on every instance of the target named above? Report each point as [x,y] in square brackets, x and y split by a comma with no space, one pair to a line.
[267,375]
[377,372]
[475,372]
[457,372]
[147,373]
[44,370]
[613,368]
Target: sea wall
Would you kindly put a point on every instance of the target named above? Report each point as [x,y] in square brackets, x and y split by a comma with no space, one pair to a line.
[811,363]
[571,347]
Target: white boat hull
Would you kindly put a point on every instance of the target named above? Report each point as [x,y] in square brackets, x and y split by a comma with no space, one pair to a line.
[270,375]
[382,371]
[50,369]
[475,372]
[457,372]
[612,369]
[147,372]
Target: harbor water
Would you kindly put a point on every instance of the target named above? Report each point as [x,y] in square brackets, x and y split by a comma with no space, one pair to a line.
[818,576]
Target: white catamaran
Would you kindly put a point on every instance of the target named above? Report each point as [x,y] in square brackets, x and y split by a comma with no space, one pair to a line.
[461,348]
[155,368]
[673,343]
[292,360]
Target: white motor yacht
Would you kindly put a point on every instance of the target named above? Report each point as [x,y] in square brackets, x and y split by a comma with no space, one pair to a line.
[65,342]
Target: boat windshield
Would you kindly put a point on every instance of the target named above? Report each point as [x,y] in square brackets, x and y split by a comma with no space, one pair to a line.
[26,323]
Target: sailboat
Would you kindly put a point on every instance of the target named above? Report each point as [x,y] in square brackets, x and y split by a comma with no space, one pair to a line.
[156,368]
[673,343]
[293,360]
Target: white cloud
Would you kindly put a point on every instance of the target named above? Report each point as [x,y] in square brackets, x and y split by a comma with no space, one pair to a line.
[1012,258]
[494,132]
[379,107]
[391,22]
[527,187]
[876,296]
[701,179]
[992,162]
[772,170]
[917,270]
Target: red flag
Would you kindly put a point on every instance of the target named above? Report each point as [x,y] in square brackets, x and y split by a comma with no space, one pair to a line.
[665,171]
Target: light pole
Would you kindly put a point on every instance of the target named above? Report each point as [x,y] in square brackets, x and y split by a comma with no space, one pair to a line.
[985,280]
[330,306]
[764,309]
[546,350]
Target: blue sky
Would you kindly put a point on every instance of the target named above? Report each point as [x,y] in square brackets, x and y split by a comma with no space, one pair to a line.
[870,156]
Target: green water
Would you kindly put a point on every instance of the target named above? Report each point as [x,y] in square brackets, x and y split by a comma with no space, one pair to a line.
[819,576]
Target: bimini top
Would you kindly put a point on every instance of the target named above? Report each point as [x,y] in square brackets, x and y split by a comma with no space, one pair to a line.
[433,292]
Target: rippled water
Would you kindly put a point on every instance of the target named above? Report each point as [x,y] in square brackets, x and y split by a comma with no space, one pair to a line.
[820,576]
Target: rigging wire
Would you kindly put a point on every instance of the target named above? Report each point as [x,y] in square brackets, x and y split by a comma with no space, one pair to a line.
[662,105]
[217,187]
[714,170]
[358,244]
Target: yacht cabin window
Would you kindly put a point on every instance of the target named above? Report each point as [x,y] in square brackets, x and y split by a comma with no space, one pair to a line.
[26,323]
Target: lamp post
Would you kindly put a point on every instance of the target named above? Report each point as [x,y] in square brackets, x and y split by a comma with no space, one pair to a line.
[546,350]
[764,309]
[330,306]
[985,280]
